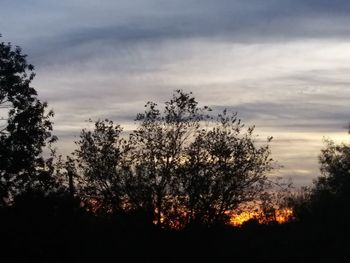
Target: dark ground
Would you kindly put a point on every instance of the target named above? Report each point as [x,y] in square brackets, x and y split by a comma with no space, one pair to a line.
[81,237]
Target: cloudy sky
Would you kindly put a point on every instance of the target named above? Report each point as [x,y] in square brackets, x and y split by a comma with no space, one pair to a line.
[284,65]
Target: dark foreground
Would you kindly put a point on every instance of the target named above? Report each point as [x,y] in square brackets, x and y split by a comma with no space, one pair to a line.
[85,238]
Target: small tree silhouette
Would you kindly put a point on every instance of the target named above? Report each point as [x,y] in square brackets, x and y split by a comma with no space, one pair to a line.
[326,201]
[98,165]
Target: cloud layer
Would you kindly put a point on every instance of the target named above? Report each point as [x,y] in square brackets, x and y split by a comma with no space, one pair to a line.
[282,64]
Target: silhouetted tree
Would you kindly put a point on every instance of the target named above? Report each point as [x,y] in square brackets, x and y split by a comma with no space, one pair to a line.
[159,145]
[189,168]
[335,169]
[25,127]
[327,200]
[180,166]
[223,168]
[98,165]
[275,204]
[299,202]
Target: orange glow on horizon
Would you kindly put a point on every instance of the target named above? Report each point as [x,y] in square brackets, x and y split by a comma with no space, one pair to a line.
[284,215]
[281,216]
[239,219]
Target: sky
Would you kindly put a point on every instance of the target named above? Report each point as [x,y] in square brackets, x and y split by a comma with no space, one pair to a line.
[283,65]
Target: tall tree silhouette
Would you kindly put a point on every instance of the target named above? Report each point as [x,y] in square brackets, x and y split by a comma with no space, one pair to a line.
[158,151]
[25,126]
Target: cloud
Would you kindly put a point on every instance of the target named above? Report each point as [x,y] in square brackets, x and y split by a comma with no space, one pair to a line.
[302,116]
[53,29]
[282,64]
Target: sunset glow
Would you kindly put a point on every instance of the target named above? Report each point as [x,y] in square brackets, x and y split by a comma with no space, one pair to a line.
[239,219]
[171,131]
[281,216]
